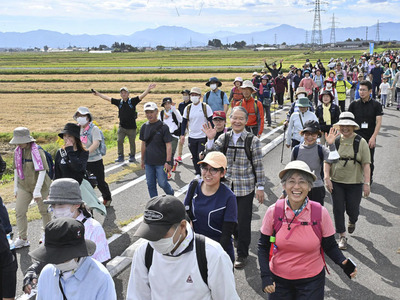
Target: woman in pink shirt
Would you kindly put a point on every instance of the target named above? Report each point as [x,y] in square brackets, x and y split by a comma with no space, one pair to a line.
[293,232]
[308,83]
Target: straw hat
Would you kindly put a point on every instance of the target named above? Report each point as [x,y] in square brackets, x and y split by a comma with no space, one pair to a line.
[297,165]
[346,118]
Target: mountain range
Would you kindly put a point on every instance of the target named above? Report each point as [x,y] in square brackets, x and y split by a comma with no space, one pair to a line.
[174,36]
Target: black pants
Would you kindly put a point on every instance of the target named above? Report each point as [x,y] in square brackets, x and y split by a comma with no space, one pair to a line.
[5,219]
[295,143]
[346,198]
[279,98]
[195,147]
[243,228]
[342,105]
[291,93]
[375,88]
[317,194]
[299,289]
[97,168]
[267,110]
[252,129]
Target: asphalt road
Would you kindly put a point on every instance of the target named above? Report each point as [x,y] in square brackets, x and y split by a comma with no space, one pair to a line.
[372,246]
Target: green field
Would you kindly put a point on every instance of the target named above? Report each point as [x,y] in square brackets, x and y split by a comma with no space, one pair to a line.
[101,63]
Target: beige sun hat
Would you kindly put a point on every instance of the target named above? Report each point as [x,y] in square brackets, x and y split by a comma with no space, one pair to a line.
[195,90]
[297,165]
[300,90]
[21,136]
[346,118]
[248,84]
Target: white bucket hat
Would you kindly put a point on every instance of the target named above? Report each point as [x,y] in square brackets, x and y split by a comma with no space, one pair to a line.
[248,84]
[83,111]
[238,79]
[346,118]
[21,136]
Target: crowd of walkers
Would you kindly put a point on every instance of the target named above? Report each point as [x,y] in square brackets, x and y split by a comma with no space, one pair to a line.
[192,243]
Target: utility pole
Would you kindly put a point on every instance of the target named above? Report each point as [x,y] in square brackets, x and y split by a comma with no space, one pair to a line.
[377,37]
[316,36]
[306,38]
[275,39]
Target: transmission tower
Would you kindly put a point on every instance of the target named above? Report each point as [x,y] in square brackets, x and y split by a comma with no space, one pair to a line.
[316,36]
[333,30]
[377,37]
[306,37]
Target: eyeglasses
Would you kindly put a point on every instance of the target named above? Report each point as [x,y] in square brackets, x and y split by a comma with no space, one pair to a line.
[211,170]
[301,183]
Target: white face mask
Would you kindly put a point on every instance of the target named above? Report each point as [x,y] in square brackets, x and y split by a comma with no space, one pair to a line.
[82,120]
[70,265]
[213,86]
[328,84]
[185,98]
[195,99]
[166,245]
[63,212]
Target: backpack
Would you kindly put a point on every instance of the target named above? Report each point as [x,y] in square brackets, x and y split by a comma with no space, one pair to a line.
[102,144]
[320,154]
[204,107]
[130,105]
[50,163]
[176,132]
[316,218]
[190,195]
[356,146]
[247,146]
[222,97]
[200,255]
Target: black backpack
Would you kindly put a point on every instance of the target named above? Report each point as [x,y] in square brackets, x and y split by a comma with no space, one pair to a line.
[356,146]
[50,163]
[200,255]
[176,132]
[320,154]
[247,146]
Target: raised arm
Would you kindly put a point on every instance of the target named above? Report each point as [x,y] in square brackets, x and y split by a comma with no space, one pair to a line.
[149,88]
[96,93]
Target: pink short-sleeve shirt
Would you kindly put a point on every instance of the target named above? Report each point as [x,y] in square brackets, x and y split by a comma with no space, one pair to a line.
[298,254]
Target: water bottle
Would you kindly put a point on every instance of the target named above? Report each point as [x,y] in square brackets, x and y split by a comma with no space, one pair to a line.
[11,242]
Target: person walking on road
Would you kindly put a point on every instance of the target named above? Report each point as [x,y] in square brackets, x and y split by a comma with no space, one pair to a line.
[215,98]
[291,246]
[156,151]
[236,91]
[280,88]
[177,263]
[274,70]
[245,174]
[91,138]
[70,272]
[348,178]
[264,94]
[127,115]
[327,113]
[368,115]
[181,107]
[195,116]
[255,122]
[30,181]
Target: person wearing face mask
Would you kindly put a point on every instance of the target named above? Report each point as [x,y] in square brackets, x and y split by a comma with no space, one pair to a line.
[90,136]
[66,202]
[181,107]
[175,254]
[217,99]
[30,181]
[297,121]
[327,113]
[195,116]
[329,85]
[309,84]
[70,272]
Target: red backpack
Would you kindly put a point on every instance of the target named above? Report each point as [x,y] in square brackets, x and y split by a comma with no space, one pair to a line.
[316,217]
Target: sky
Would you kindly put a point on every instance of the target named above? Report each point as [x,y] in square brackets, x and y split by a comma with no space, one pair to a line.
[124,17]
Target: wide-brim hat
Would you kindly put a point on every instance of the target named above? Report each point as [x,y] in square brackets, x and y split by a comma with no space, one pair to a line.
[240,79]
[83,111]
[21,135]
[248,84]
[329,72]
[215,159]
[71,129]
[301,90]
[160,214]
[166,100]
[297,165]
[64,191]
[64,240]
[214,80]
[303,102]
[346,118]
[326,92]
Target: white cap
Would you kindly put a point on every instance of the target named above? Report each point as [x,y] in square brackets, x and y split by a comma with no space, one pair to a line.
[150,106]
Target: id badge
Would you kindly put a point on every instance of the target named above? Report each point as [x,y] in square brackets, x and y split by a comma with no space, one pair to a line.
[364,125]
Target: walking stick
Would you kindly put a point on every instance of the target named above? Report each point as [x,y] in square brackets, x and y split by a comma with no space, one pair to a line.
[283,142]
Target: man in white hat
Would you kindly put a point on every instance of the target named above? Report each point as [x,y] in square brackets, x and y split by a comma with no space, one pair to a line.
[127,119]
[195,116]
[156,151]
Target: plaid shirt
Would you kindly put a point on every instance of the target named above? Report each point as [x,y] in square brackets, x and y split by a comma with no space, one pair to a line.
[239,173]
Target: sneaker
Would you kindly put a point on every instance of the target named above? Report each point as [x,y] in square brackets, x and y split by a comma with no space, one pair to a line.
[132,159]
[20,243]
[120,159]
[169,175]
[351,227]
[280,106]
[174,167]
[342,243]
[107,203]
[178,159]
[240,262]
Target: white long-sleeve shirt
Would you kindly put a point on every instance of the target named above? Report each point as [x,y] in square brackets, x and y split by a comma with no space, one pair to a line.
[169,120]
[178,277]
[295,125]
